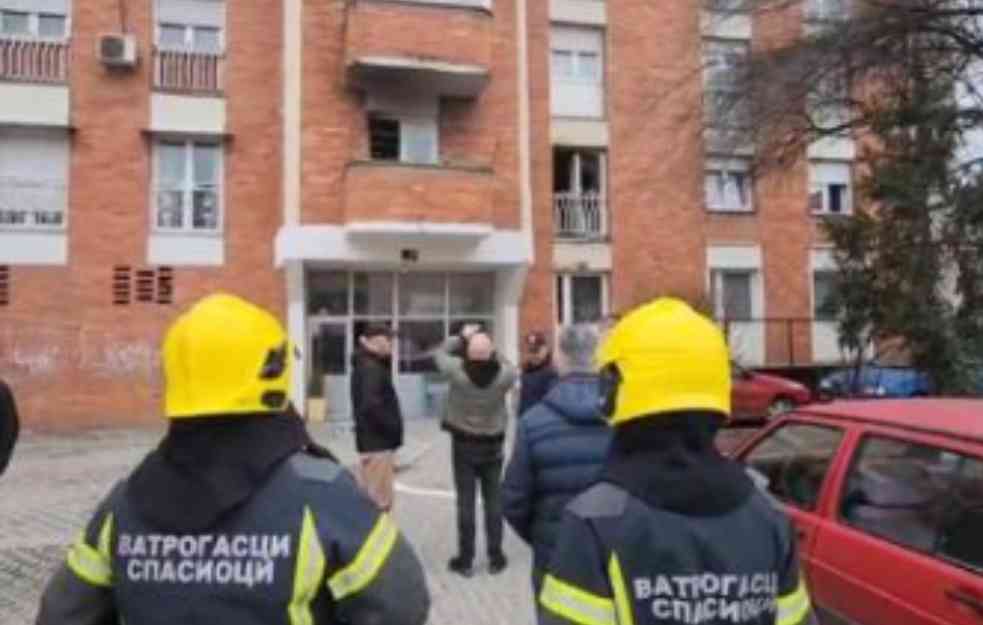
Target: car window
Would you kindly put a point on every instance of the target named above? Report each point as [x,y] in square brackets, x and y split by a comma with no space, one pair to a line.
[898,490]
[961,538]
[795,459]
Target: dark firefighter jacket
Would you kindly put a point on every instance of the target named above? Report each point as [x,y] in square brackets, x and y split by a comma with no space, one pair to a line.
[673,534]
[9,426]
[305,547]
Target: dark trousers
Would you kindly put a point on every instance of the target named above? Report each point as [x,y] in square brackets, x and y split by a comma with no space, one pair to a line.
[478,463]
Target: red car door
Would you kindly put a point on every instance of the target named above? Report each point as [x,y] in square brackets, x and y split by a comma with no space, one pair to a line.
[749,398]
[796,457]
[880,555]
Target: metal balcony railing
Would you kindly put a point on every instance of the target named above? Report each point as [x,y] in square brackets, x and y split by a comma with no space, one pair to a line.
[32,60]
[31,203]
[580,216]
[189,72]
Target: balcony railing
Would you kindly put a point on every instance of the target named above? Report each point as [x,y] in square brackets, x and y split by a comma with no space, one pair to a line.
[189,72]
[30,60]
[32,204]
[580,216]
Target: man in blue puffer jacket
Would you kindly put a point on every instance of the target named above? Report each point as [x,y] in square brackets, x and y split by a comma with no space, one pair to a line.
[560,447]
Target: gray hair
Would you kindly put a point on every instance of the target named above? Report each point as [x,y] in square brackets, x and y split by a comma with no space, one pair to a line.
[576,346]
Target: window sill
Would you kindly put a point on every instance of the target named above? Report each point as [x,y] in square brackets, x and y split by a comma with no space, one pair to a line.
[195,234]
[33,246]
[480,6]
[728,212]
[476,169]
[824,215]
[186,249]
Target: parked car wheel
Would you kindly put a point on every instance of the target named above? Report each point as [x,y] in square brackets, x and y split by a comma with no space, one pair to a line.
[780,406]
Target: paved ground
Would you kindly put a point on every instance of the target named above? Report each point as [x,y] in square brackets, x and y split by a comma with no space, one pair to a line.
[55,481]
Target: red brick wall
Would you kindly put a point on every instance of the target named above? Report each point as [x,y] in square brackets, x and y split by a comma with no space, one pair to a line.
[656,172]
[72,357]
[425,32]
[375,192]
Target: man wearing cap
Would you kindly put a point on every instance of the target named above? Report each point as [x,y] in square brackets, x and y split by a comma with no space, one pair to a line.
[538,373]
[237,516]
[378,419]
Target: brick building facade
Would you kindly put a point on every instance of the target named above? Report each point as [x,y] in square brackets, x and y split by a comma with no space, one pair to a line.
[418,162]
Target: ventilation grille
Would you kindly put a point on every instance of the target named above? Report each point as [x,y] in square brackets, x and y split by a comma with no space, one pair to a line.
[145,286]
[121,286]
[4,285]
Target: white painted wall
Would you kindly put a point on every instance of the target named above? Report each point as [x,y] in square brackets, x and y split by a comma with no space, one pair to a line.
[833,149]
[186,250]
[747,340]
[588,12]
[334,244]
[726,25]
[582,257]
[580,133]
[186,114]
[35,105]
[33,248]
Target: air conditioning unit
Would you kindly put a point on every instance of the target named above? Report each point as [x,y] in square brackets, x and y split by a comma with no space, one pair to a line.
[118,50]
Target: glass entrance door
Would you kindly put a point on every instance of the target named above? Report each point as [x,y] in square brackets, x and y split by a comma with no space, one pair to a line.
[330,360]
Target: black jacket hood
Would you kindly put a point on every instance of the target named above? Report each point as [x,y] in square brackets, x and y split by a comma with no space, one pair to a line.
[482,373]
[672,463]
[205,468]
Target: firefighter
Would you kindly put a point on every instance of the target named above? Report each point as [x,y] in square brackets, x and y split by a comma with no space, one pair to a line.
[237,517]
[673,533]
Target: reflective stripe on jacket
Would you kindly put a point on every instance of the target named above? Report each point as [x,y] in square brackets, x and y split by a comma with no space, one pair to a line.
[622,562]
[307,549]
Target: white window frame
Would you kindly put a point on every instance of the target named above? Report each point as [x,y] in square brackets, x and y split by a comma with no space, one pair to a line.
[728,169]
[420,123]
[564,315]
[820,180]
[589,91]
[717,275]
[34,23]
[816,273]
[188,187]
[714,49]
[59,187]
[188,23]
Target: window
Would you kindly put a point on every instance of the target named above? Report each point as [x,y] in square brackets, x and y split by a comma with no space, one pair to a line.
[827,10]
[577,71]
[579,190]
[191,26]
[961,540]
[404,139]
[823,297]
[22,24]
[724,63]
[899,490]
[795,459]
[581,298]
[731,294]
[830,189]
[188,193]
[728,185]
[33,179]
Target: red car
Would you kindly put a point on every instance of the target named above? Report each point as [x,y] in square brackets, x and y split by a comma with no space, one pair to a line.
[760,396]
[887,500]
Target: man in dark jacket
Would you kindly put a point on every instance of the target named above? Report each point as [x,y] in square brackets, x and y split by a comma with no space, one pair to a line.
[237,517]
[476,416]
[673,533]
[559,449]
[9,426]
[538,373]
[378,419]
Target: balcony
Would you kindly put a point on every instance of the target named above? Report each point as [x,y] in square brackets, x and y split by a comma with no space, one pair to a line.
[580,216]
[443,49]
[34,61]
[31,204]
[186,72]
[398,198]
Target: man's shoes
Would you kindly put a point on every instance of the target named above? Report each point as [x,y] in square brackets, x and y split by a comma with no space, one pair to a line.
[460,566]
[497,563]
